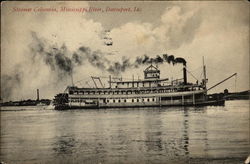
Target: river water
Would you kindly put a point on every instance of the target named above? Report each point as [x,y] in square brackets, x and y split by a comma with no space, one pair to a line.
[144,135]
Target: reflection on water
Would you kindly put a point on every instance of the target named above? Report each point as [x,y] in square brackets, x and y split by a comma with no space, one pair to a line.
[64,145]
[185,131]
[150,135]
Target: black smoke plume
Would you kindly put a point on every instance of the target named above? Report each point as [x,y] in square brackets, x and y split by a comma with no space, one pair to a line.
[170,59]
[10,82]
[62,63]
[58,59]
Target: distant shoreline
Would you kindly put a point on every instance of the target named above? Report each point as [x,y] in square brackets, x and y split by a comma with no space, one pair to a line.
[244,95]
[28,102]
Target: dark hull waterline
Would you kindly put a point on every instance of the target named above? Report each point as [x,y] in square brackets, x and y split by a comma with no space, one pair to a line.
[205,103]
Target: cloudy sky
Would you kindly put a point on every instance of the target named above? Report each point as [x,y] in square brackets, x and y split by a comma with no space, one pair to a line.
[47,49]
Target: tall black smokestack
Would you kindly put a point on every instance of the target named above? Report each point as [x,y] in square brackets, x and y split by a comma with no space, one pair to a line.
[184,73]
[37,92]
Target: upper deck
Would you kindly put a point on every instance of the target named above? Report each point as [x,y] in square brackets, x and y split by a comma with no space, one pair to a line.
[136,90]
[150,84]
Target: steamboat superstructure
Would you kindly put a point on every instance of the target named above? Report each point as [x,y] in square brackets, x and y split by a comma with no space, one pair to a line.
[152,91]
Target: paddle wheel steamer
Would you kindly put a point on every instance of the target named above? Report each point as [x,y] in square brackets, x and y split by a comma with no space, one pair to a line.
[152,91]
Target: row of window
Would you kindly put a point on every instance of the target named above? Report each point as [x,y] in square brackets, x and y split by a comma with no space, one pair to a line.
[118,100]
[142,99]
[126,92]
[77,100]
[138,84]
[132,100]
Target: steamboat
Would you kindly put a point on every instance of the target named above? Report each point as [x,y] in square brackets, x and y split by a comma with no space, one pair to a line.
[152,91]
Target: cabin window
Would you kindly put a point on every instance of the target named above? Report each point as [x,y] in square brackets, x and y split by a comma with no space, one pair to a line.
[113,100]
[148,99]
[137,100]
[107,100]
[177,98]
[153,99]
[129,92]
[142,100]
[119,100]
[132,100]
[124,100]
[188,97]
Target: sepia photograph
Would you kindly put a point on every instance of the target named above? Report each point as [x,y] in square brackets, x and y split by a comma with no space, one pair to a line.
[125,82]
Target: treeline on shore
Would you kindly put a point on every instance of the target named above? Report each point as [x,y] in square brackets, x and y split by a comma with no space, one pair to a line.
[28,102]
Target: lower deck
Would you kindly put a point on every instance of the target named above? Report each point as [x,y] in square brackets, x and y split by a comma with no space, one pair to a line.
[137,101]
[191,98]
[142,105]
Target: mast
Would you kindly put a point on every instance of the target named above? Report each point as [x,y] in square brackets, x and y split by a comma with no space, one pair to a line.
[133,82]
[109,81]
[204,74]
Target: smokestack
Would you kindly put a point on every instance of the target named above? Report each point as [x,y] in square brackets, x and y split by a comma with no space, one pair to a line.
[184,74]
[109,81]
[37,91]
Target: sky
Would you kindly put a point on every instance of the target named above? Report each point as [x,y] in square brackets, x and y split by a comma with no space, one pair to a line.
[45,48]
